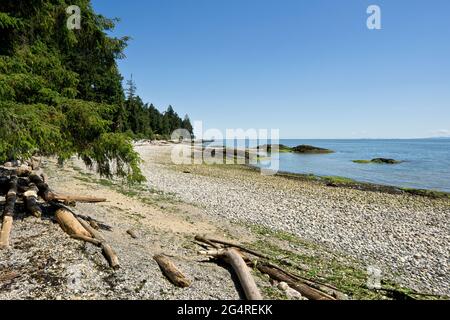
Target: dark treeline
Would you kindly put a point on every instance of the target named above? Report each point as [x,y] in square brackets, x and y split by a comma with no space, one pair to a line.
[145,121]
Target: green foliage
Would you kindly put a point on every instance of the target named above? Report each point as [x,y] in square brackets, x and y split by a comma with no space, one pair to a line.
[145,121]
[61,92]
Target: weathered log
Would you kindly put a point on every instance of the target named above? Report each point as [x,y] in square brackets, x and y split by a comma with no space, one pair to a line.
[132,234]
[231,244]
[74,198]
[44,190]
[31,202]
[171,271]
[5,232]
[8,213]
[48,195]
[95,234]
[4,185]
[11,197]
[87,239]
[326,288]
[100,225]
[94,224]
[233,257]
[70,224]
[305,290]
[207,241]
[21,171]
[111,256]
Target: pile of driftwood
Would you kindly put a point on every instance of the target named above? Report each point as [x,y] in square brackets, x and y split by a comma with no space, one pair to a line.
[26,184]
[242,260]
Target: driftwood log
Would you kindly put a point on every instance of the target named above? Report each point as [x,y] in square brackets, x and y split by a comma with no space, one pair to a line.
[8,213]
[110,255]
[171,271]
[132,234]
[31,201]
[307,287]
[234,258]
[95,234]
[213,242]
[70,224]
[305,290]
[19,183]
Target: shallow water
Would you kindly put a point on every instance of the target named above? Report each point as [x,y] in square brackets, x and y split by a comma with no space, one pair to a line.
[426,161]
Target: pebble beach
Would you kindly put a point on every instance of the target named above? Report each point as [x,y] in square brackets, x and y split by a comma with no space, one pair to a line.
[407,237]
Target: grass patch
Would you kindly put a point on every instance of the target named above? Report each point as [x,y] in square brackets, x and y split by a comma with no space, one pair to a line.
[343,272]
[427,193]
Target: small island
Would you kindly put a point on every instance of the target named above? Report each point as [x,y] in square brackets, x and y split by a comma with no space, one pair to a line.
[379,161]
[304,149]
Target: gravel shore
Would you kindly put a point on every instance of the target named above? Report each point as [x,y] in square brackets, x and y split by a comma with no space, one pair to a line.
[407,237]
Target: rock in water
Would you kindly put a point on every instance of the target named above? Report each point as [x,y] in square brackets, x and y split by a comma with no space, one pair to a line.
[310,149]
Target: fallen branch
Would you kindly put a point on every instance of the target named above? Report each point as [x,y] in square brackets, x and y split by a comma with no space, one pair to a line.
[305,290]
[95,242]
[95,234]
[230,244]
[70,224]
[171,271]
[232,257]
[107,251]
[326,288]
[74,198]
[100,225]
[110,255]
[132,234]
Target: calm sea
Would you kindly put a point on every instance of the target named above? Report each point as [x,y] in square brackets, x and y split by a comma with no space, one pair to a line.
[426,161]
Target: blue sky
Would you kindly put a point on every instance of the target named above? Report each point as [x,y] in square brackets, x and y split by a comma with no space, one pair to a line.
[309,68]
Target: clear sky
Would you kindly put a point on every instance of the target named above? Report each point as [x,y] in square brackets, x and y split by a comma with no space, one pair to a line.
[309,68]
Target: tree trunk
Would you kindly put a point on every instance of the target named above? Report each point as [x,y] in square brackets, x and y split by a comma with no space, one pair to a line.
[171,271]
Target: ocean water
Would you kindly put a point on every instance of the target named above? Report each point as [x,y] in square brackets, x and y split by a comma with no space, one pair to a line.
[426,161]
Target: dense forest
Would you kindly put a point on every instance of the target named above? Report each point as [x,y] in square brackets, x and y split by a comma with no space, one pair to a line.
[145,121]
[61,91]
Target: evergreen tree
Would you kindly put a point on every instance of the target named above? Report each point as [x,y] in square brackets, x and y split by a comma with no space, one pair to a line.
[60,89]
[186,124]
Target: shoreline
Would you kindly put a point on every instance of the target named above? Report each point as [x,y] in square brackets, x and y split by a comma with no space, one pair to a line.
[331,181]
[344,182]
[403,234]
